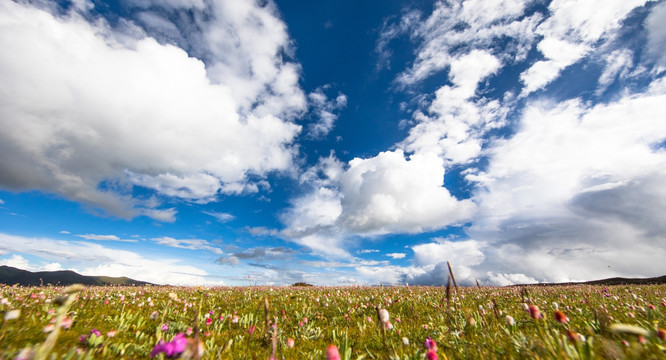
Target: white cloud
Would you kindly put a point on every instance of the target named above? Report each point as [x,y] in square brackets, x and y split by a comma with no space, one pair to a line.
[95,259]
[65,232]
[2,202]
[220,216]
[83,104]
[104,238]
[657,34]
[396,255]
[618,63]
[569,33]
[573,194]
[459,27]
[457,122]
[191,244]
[324,110]
[19,262]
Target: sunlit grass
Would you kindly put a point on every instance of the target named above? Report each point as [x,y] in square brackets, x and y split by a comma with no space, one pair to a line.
[565,322]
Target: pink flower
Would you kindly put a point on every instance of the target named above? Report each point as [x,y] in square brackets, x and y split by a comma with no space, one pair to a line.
[171,348]
[430,344]
[534,312]
[209,321]
[111,333]
[251,329]
[290,343]
[165,327]
[332,353]
[431,355]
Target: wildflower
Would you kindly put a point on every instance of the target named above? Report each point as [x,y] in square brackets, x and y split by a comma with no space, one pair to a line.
[25,354]
[388,325]
[405,341]
[251,329]
[12,314]
[111,333]
[332,353]
[165,327]
[66,323]
[154,315]
[189,331]
[290,343]
[534,312]
[368,319]
[431,355]
[641,339]
[95,332]
[471,321]
[234,320]
[171,348]
[383,315]
[651,307]
[430,344]
[572,336]
[661,333]
[209,321]
[560,317]
[48,328]
[510,321]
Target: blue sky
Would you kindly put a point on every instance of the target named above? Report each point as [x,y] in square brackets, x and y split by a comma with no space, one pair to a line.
[334,142]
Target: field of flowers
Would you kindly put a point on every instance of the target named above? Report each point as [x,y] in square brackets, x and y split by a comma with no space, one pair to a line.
[563,322]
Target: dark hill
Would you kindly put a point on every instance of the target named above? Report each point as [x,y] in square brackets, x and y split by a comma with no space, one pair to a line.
[11,276]
[610,281]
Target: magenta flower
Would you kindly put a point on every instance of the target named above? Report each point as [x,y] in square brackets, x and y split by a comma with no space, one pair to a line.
[431,355]
[332,353]
[95,331]
[430,344]
[171,348]
[165,327]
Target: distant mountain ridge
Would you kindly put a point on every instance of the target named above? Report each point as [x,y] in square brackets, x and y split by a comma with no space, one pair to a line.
[609,281]
[10,276]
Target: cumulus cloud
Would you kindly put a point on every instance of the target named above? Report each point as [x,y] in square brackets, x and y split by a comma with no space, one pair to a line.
[396,255]
[95,259]
[389,193]
[84,104]
[573,195]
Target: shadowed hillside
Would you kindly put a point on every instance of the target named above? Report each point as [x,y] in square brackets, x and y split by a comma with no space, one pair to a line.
[11,276]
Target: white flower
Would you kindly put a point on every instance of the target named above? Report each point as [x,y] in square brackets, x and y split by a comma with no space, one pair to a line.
[383,315]
[12,314]
[405,341]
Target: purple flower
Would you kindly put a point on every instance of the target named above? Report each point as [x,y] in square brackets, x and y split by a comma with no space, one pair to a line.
[171,348]
[430,344]
[96,332]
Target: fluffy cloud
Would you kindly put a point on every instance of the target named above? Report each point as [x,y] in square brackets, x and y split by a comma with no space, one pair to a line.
[459,27]
[94,259]
[389,193]
[85,104]
[573,194]
[570,32]
[19,262]
[324,110]
[102,237]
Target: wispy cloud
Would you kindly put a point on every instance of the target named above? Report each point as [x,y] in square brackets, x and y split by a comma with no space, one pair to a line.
[220,216]
[102,237]
[190,244]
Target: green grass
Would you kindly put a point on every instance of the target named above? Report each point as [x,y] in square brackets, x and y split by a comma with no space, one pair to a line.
[471,325]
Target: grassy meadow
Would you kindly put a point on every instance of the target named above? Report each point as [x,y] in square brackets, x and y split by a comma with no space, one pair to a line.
[550,322]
